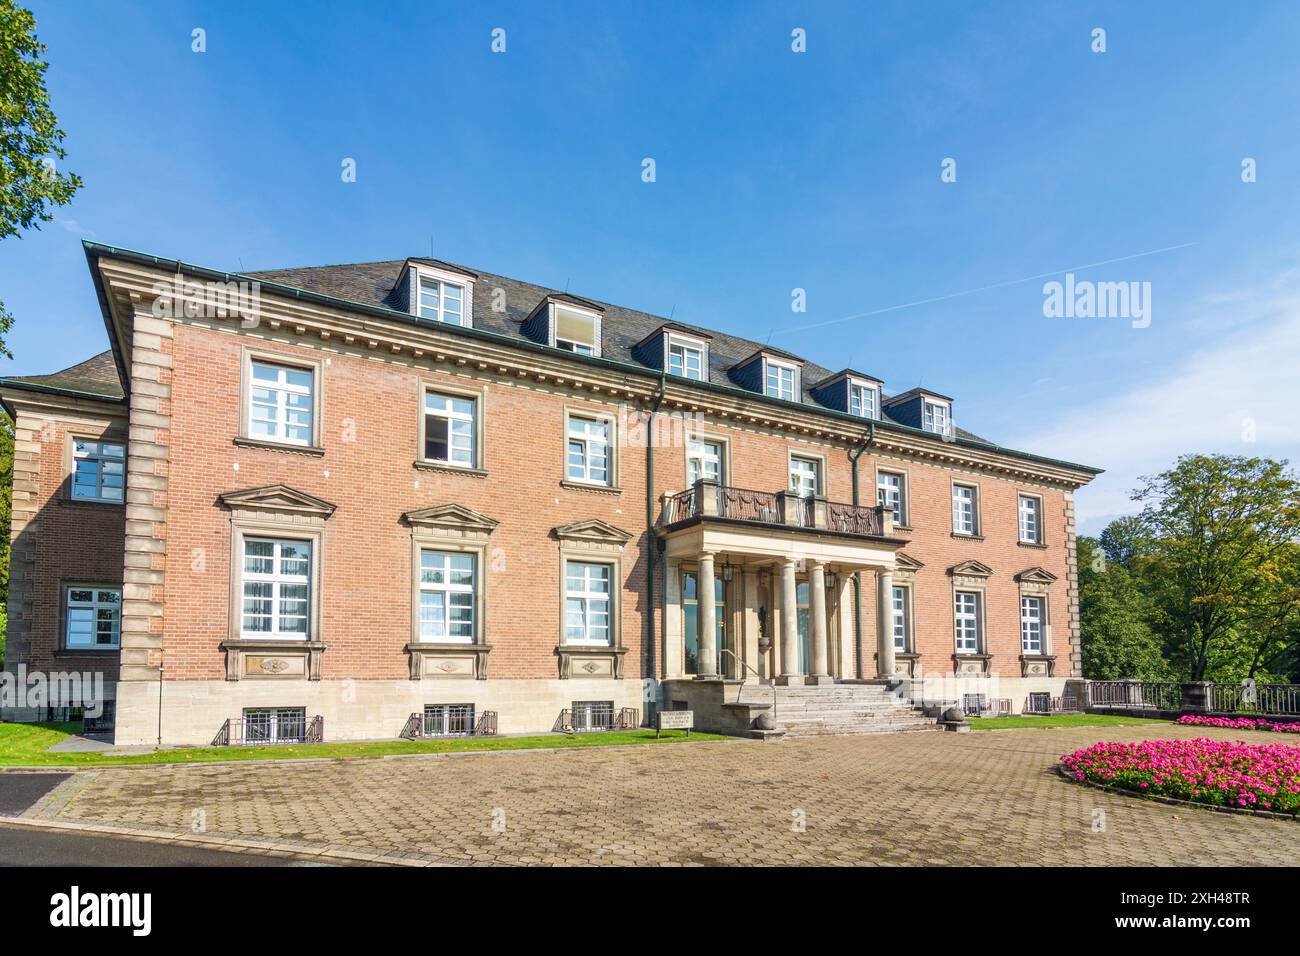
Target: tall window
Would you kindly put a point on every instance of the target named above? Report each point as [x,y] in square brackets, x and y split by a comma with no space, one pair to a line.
[98,470]
[703,460]
[576,331]
[889,492]
[1031,525]
[1031,625]
[805,476]
[587,603]
[280,403]
[447,596]
[966,617]
[94,618]
[963,509]
[691,620]
[588,456]
[685,360]
[449,430]
[780,380]
[862,400]
[276,588]
[936,418]
[899,600]
[442,301]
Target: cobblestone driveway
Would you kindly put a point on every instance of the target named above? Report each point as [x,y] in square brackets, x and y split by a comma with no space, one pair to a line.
[985,798]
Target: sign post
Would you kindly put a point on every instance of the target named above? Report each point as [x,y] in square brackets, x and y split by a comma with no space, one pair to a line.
[674,720]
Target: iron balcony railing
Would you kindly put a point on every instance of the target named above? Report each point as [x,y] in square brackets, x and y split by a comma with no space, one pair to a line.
[708,499]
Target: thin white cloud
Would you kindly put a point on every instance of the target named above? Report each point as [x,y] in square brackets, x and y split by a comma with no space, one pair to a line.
[1213,400]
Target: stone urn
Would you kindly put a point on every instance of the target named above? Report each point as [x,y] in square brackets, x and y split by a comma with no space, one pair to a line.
[953,715]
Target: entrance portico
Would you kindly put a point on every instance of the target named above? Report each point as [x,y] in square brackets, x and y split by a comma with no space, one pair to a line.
[786,587]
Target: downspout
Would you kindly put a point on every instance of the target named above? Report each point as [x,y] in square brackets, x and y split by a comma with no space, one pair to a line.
[649,626]
[857,575]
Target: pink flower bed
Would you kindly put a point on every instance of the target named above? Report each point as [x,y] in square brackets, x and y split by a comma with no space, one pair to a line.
[1218,772]
[1241,723]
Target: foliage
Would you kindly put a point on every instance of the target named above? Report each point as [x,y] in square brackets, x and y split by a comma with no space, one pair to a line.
[1222,773]
[1241,723]
[30,138]
[1118,643]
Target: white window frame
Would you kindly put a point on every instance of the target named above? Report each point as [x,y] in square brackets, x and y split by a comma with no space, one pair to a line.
[277,578]
[883,490]
[94,605]
[446,588]
[1033,624]
[584,600]
[453,419]
[771,366]
[966,621]
[931,418]
[860,390]
[798,484]
[572,345]
[959,510]
[281,388]
[104,456]
[580,472]
[900,616]
[687,347]
[439,312]
[697,451]
[1029,532]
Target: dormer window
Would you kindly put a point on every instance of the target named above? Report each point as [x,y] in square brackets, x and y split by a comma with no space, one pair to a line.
[864,400]
[780,378]
[439,294]
[575,330]
[937,418]
[442,301]
[685,358]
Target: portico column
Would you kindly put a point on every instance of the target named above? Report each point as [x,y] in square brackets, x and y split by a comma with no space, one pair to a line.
[708,619]
[885,625]
[817,670]
[789,626]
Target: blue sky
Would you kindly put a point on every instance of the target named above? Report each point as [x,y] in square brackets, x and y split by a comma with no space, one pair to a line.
[775,170]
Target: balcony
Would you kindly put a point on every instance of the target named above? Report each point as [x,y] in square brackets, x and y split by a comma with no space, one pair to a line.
[710,500]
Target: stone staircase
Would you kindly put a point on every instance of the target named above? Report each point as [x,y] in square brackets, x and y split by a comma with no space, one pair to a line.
[838,709]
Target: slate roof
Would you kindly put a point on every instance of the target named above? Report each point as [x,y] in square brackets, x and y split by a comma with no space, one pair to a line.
[622,329]
[95,376]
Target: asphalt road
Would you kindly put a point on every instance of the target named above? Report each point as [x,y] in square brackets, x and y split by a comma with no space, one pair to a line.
[22,847]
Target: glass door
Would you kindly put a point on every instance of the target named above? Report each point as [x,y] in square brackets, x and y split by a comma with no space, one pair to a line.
[691,621]
[801,605]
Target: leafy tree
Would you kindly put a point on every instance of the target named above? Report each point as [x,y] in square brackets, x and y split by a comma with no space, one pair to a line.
[1118,643]
[1123,540]
[30,137]
[1219,528]
[6,506]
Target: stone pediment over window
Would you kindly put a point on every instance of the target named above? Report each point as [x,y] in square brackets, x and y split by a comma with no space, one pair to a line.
[1036,576]
[905,562]
[970,569]
[279,500]
[450,517]
[593,532]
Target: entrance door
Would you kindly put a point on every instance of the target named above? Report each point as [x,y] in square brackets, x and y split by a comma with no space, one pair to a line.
[691,621]
[801,605]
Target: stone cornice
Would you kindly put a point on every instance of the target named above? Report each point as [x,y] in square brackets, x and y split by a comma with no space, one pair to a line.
[130,288]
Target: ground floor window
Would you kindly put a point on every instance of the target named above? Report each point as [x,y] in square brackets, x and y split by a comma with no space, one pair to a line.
[966,618]
[587,602]
[593,715]
[1031,625]
[448,720]
[899,601]
[691,619]
[275,725]
[93,618]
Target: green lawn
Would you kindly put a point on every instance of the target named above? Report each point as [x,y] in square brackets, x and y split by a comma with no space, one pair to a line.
[26,745]
[1058,720]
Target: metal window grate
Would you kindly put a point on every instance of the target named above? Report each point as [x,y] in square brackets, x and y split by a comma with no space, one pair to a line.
[448,720]
[592,715]
[275,725]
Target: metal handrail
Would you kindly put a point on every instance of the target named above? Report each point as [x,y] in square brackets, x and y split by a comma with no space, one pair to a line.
[727,650]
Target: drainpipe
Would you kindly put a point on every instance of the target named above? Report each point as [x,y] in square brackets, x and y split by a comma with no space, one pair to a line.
[857,575]
[649,626]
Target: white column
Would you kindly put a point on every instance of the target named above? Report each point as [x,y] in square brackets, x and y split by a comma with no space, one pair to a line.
[817,670]
[749,621]
[885,625]
[707,619]
[789,626]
